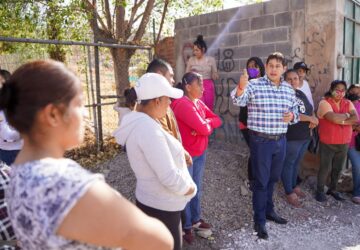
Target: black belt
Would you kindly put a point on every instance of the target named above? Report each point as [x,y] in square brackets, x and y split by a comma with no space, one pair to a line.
[267,136]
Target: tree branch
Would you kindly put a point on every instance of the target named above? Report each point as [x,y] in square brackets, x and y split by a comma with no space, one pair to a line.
[108,15]
[101,34]
[92,9]
[120,21]
[134,10]
[144,21]
[166,4]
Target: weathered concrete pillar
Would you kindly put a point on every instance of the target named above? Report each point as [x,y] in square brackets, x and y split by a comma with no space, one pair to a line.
[320,44]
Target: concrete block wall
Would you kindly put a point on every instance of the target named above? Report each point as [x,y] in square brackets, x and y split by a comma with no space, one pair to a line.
[300,29]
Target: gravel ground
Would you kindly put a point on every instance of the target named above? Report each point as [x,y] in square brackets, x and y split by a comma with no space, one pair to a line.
[227,206]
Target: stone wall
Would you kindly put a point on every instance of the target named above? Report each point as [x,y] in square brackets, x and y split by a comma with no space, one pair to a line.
[309,30]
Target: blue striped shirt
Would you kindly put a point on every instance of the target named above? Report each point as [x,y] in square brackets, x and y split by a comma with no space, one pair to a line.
[267,104]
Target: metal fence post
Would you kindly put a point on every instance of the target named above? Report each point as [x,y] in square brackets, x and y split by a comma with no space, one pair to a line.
[93,97]
[98,98]
[95,105]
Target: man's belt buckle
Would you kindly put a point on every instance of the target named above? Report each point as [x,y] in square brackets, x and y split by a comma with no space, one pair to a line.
[269,136]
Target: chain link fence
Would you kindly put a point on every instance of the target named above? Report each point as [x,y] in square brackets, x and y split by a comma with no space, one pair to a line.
[93,64]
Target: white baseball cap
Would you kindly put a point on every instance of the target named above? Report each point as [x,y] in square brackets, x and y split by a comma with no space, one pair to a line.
[153,85]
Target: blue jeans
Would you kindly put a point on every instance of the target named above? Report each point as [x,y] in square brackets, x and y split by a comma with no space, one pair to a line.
[8,156]
[295,151]
[193,208]
[354,157]
[267,159]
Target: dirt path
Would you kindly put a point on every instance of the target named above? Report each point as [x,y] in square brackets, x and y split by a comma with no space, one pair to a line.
[227,206]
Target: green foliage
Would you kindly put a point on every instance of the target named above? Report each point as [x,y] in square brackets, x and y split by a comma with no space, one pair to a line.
[50,19]
[249,1]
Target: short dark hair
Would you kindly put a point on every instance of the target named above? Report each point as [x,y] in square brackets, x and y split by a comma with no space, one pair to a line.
[5,74]
[290,71]
[157,65]
[352,86]
[278,57]
[33,86]
[131,98]
[333,86]
[200,43]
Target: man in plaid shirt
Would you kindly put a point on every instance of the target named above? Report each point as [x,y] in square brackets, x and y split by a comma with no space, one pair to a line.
[7,236]
[271,107]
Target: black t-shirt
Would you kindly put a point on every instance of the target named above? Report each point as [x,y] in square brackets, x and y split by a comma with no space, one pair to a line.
[300,130]
[243,115]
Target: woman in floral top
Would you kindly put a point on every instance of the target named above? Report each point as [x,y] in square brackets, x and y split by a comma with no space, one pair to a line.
[53,202]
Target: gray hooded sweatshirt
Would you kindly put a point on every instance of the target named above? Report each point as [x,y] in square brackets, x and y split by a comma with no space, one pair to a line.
[158,161]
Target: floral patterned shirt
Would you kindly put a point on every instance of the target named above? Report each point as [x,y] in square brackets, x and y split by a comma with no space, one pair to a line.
[40,195]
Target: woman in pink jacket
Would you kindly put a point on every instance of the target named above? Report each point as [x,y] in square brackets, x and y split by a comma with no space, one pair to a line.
[196,122]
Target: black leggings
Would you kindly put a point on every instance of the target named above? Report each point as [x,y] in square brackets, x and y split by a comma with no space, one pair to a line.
[246,136]
[170,219]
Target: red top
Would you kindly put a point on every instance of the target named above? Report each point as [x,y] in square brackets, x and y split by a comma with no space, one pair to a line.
[196,122]
[331,133]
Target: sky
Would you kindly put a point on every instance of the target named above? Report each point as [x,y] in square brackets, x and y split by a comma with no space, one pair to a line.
[228,4]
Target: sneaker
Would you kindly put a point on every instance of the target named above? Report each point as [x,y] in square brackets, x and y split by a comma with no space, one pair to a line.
[293,200]
[202,229]
[356,199]
[201,225]
[188,236]
[299,192]
[337,195]
[320,196]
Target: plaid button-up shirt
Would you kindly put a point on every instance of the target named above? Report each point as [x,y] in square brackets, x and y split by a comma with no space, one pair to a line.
[6,230]
[267,104]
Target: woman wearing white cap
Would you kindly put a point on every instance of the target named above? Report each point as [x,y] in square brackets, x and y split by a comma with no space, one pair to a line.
[164,185]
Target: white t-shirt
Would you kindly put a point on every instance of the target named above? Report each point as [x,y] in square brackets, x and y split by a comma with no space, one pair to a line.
[9,138]
[305,88]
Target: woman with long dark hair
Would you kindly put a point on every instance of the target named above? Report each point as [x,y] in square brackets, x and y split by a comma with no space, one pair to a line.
[336,117]
[10,140]
[353,94]
[196,122]
[206,67]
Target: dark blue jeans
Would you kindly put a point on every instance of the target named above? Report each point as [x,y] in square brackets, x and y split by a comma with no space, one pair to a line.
[267,160]
[354,156]
[295,151]
[193,208]
[8,156]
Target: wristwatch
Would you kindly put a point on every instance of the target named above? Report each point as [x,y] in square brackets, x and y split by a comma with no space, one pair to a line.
[347,115]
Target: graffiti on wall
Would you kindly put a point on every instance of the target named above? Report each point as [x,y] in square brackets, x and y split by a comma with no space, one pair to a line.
[226,64]
[313,50]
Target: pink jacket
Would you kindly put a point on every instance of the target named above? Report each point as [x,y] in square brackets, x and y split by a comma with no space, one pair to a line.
[196,122]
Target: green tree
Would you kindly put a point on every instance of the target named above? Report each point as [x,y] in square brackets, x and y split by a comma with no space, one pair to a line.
[47,19]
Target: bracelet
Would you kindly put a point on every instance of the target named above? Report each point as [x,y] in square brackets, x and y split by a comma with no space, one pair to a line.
[342,122]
